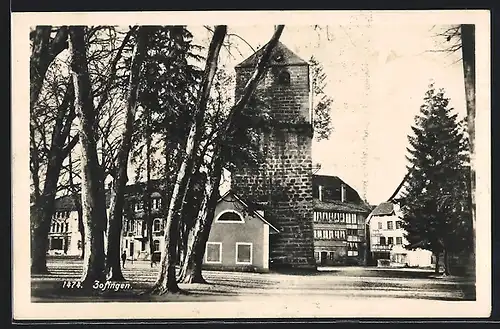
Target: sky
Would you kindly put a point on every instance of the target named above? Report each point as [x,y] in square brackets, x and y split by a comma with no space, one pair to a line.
[377,76]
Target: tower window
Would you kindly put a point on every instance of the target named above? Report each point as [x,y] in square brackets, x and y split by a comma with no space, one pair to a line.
[284,78]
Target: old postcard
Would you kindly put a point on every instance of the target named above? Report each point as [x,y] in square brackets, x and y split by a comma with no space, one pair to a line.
[225,165]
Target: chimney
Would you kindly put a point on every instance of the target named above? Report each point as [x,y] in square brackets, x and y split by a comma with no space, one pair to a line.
[320,193]
[342,193]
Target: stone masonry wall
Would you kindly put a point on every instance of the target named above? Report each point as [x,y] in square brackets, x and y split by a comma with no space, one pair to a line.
[285,180]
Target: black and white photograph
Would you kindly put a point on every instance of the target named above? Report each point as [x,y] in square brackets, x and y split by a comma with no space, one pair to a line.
[258,164]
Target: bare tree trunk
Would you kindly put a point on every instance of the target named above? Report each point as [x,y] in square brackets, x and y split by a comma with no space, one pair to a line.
[41,216]
[113,266]
[149,219]
[167,281]
[446,261]
[468,59]
[436,267]
[78,204]
[191,271]
[93,196]
[190,203]
[81,227]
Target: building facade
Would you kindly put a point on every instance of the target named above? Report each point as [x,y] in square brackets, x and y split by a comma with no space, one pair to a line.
[65,237]
[284,181]
[239,237]
[339,223]
[387,240]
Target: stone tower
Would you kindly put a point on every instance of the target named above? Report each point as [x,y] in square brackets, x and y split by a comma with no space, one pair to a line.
[283,185]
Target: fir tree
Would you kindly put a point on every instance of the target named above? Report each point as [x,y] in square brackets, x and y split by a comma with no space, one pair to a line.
[322,103]
[436,207]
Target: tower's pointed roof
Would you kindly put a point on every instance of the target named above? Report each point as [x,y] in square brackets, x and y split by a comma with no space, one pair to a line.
[281,56]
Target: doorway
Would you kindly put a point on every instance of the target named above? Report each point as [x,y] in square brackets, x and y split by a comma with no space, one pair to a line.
[131,249]
[323,257]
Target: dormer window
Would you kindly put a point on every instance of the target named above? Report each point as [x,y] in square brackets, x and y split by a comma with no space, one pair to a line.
[284,78]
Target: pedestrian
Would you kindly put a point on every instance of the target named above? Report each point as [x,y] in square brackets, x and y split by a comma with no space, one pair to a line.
[124,257]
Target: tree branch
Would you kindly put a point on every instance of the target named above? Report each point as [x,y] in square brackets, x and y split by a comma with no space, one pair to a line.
[112,73]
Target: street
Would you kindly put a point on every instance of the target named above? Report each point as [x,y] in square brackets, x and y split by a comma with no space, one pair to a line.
[331,283]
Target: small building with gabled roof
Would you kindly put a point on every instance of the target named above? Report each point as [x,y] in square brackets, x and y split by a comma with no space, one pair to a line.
[239,237]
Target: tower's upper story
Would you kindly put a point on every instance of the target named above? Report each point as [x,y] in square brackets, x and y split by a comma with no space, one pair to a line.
[286,85]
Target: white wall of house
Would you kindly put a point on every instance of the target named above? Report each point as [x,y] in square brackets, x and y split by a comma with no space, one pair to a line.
[64,226]
[386,235]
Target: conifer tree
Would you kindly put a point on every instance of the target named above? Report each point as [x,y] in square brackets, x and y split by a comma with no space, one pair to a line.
[322,103]
[436,211]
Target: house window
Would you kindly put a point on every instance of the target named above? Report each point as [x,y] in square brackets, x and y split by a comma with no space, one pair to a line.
[243,253]
[213,253]
[379,225]
[138,228]
[399,240]
[284,78]
[66,227]
[126,243]
[390,225]
[398,224]
[382,240]
[156,245]
[352,249]
[57,244]
[139,205]
[156,203]
[79,245]
[230,217]
[390,240]
[157,225]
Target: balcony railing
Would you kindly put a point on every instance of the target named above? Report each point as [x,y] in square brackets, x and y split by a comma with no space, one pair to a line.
[381,247]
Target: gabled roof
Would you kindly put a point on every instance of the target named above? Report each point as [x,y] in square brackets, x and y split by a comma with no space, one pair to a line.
[335,205]
[288,57]
[335,182]
[383,209]
[247,205]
